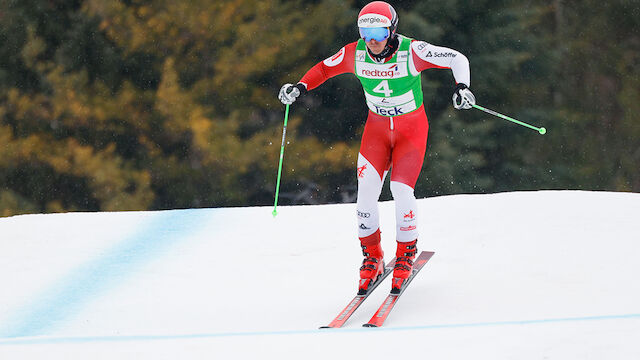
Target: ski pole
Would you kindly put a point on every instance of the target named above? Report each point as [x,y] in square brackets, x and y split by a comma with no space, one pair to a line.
[284,133]
[541,130]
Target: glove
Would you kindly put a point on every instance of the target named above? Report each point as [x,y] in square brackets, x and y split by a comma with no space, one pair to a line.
[463,97]
[289,93]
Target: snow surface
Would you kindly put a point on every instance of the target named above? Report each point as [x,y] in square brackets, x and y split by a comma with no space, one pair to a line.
[526,275]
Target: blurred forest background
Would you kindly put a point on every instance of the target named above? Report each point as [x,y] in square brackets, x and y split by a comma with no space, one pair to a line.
[163,104]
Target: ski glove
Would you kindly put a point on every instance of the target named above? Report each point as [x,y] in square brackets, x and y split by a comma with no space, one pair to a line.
[463,97]
[289,93]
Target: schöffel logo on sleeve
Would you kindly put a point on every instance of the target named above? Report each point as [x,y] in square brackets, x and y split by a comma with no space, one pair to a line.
[439,54]
[422,48]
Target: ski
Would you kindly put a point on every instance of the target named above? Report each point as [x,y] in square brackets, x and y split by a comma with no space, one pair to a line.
[344,315]
[383,311]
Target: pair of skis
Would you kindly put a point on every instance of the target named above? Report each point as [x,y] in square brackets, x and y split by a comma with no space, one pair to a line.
[387,305]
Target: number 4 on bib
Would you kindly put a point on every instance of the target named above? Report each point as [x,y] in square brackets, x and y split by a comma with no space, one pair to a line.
[383,88]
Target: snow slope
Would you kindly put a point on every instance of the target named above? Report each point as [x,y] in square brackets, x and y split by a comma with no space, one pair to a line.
[527,275]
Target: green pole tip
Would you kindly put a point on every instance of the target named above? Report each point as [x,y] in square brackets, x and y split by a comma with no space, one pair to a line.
[542,131]
[274,213]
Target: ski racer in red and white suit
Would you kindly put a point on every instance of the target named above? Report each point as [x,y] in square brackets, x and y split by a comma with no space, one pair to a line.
[393,139]
[399,141]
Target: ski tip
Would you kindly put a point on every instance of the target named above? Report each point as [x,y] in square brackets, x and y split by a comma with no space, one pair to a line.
[370,325]
[325,327]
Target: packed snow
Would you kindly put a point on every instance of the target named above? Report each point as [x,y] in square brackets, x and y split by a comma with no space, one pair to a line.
[522,275]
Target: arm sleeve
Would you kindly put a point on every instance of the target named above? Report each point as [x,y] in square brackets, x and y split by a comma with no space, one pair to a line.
[341,63]
[427,56]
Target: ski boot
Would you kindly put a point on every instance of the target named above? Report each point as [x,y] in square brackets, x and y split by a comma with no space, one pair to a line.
[405,254]
[373,264]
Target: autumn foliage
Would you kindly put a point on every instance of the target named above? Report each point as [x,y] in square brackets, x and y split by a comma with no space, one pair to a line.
[135,105]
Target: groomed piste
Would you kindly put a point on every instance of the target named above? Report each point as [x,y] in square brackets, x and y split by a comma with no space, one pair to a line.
[526,275]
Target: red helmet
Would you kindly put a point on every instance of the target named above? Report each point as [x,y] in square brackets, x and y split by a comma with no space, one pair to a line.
[378,14]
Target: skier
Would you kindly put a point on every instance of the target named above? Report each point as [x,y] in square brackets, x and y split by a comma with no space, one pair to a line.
[388,66]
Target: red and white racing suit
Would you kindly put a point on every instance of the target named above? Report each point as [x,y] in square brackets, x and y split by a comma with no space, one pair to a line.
[391,142]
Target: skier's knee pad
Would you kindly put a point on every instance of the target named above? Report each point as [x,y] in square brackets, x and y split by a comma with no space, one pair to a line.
[401,192]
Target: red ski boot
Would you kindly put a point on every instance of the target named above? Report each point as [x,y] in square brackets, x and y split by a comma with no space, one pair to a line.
[405,254]
[373,264]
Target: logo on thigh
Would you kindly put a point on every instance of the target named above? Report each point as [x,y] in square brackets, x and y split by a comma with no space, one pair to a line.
[361,171]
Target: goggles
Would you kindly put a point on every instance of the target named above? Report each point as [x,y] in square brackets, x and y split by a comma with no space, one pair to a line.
[375,33]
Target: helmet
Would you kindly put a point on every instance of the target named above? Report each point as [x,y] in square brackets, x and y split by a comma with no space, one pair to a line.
[378,14]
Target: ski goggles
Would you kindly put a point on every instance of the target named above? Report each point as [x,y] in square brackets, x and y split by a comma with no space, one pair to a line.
[375,33]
